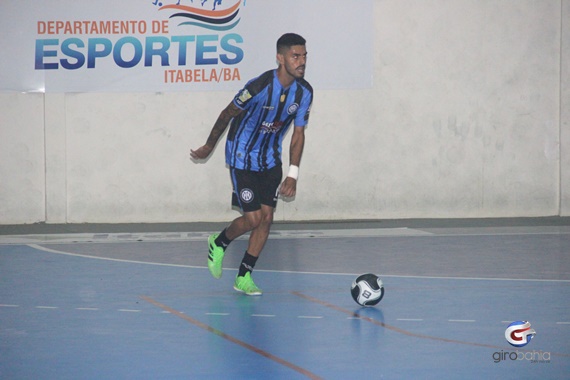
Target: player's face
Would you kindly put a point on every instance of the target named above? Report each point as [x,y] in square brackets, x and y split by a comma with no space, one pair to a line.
[294,61]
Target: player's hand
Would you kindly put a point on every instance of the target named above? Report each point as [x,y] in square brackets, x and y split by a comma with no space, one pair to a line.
[201,153]
[288,188]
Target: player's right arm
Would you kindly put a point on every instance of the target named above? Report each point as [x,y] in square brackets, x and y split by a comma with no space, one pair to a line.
[220,126]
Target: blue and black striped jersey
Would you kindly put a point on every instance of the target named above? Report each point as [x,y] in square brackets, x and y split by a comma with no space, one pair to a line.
[255,137]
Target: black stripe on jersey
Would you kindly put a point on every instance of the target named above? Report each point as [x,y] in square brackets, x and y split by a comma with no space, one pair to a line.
[303,83]
[288,120]
[256,135]
[271,139]
[299,94]
[278,136]
[236,121]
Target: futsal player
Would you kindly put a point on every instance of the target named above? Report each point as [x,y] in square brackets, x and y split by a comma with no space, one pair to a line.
[259,117]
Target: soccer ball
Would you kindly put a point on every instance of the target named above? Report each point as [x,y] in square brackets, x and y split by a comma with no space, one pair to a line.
[367,290]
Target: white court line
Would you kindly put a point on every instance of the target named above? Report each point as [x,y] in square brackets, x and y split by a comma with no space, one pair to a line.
[263,315]
[39,247]
[45,249]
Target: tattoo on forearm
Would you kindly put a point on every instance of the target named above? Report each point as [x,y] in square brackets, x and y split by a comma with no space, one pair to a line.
[217,131]
[219,127]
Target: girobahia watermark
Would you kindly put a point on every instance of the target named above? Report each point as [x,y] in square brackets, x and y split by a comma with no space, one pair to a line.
[530,356]
[519,334]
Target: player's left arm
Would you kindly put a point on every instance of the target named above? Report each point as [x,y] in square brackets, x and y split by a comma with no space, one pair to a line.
[289,186]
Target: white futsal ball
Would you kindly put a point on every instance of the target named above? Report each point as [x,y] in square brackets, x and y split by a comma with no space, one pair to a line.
[367,289]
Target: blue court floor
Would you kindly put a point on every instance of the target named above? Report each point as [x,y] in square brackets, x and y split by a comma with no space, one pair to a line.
[117,303]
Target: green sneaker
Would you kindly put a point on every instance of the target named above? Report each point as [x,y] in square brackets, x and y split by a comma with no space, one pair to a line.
[246,285]
[215,257]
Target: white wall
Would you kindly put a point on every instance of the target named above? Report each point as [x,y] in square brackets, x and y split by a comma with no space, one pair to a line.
[467,118]
[22,165]
[565,111]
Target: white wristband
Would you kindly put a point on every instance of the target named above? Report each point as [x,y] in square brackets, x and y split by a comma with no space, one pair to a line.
[293,172]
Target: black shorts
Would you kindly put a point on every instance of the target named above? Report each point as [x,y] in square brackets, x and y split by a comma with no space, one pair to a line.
[253,189]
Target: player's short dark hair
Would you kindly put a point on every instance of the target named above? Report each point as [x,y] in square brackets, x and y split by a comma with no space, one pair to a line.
[287,40]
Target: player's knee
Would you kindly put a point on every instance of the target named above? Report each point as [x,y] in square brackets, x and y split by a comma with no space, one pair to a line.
[266,219]
[259,219]
[253,219]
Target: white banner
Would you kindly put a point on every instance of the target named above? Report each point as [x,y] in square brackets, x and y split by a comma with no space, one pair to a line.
[186,45]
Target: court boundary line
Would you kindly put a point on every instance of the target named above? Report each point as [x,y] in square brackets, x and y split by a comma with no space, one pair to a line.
[50,250]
